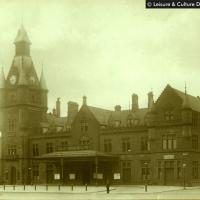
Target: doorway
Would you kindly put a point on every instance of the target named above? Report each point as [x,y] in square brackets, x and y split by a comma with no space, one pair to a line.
[13,176]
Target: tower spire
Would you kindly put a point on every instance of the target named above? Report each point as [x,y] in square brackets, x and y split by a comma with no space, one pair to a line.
[2,79]
[22,42]
[43,84]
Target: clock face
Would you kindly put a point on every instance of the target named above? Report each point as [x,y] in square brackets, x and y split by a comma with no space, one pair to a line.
[32,79]
[13,79]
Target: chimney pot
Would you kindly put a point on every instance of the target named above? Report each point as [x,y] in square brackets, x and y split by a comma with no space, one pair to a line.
[84,100]
[135,105]
[117,108]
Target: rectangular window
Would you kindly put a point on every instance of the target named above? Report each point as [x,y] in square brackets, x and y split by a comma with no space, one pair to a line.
[126,145]
[107,145]
[145,170]
[11,125]
[194,119]
[35,172]
[12,150]
[49,147]
[169,142]
[169,115]
[84,125]
[35,150]
[64,146]
[145,143]
[195,171]
[195,142]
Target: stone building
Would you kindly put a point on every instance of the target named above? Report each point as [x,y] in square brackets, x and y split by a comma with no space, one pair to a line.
[155,145]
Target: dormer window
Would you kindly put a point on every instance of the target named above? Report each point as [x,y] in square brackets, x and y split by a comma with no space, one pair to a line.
[117,123]
[169,115]
[130,122]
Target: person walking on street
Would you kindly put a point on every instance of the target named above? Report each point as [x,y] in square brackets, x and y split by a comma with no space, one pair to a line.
[107,186]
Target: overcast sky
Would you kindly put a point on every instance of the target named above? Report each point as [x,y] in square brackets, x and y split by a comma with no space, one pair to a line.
[105,49]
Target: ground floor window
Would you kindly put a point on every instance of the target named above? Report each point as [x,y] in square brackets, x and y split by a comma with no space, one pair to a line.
[195,170]
[145,170]
[35,172]
[126,171]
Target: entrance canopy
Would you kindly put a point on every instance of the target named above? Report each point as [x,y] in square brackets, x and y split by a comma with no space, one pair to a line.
[80,155]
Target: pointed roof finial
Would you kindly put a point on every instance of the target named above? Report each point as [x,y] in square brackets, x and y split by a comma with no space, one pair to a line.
[43,84]
[22,36]
[186,103]
[2,79]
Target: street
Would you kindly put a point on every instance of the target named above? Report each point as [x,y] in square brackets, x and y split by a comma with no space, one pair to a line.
[92,193]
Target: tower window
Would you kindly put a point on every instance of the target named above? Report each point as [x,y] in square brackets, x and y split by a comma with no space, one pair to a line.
[11,125]
[12,150]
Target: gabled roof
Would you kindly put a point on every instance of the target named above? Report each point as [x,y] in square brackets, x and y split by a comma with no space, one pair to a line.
[101,115]
[22,36]
[194,102]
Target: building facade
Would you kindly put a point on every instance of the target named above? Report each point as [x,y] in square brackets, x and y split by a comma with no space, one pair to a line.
[155,145]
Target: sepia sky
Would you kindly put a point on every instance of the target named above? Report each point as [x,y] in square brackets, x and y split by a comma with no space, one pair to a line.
[105,49]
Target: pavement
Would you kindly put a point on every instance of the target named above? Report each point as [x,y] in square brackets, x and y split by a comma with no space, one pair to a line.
[97,192]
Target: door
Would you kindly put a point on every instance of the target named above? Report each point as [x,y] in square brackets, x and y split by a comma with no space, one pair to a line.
[127,175]
[86,174]
[169,173]
[13,176]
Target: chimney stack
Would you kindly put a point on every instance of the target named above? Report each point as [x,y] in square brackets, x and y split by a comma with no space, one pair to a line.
[150,100]
[58,107]
[135,106]
[72,110]
[84,100]
[117,108]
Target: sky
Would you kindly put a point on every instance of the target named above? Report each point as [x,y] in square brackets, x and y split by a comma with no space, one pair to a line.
[105,49]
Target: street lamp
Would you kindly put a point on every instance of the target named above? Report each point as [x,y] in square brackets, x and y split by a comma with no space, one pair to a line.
[145,164]
[184,166]
[30,176]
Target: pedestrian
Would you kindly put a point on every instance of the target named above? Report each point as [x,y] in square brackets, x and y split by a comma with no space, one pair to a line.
[108,186]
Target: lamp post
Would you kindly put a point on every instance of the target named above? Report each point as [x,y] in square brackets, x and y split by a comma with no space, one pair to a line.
[29,176]
[145,164]
[184,166]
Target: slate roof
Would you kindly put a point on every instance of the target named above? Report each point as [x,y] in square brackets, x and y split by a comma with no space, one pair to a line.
[123,115]
[194,102]
[105,117]
[102,115]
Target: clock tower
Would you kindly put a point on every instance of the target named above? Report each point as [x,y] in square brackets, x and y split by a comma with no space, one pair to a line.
[23,107]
